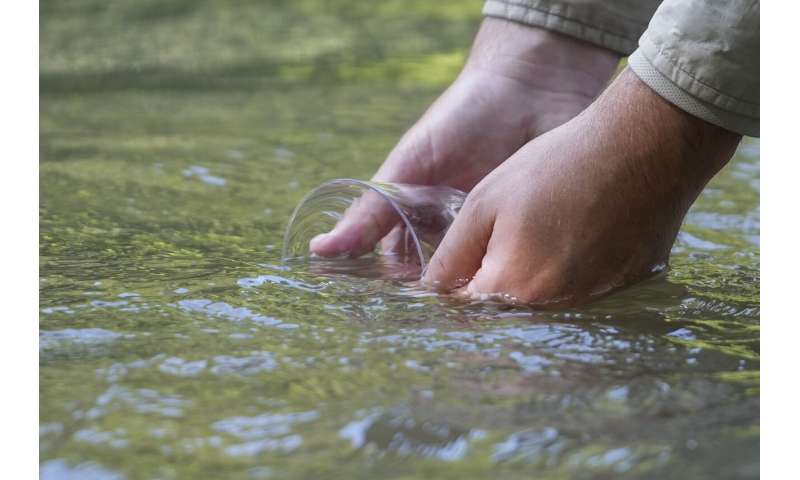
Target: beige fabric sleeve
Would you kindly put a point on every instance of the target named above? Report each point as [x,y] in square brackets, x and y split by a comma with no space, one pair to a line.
[615,25]
[703,57]
[700,55]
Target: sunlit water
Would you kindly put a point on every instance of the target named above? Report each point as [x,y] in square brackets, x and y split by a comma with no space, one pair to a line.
[176,137]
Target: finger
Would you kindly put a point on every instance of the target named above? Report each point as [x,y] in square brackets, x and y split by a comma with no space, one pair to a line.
[493,280]
[511,272]
[461,252]
[367,220]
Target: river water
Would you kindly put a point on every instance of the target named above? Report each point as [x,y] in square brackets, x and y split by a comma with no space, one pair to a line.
[176,137]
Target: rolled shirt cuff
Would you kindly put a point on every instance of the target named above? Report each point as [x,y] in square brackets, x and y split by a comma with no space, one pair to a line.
[675,85]
[596,23]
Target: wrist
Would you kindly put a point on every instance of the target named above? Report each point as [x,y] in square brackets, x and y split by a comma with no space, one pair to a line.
[640,134]
[540,58]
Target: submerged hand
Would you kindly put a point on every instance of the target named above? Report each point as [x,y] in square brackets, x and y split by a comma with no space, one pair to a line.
[518,83]
[590,207]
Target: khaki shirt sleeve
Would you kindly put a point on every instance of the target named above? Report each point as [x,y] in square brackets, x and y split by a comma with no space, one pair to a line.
[700,55]
[703,57]
[615,25]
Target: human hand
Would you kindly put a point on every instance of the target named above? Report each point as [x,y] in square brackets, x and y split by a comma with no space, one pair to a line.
[592,206]
[518,83]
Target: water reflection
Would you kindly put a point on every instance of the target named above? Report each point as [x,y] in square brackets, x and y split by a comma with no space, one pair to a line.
[58,469]
[405,435]
[267,432]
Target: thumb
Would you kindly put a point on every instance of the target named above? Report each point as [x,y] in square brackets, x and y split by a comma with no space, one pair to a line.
[461,252]
[363,225]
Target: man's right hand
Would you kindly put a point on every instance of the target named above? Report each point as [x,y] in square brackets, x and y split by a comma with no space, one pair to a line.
[591,207]
[518,83]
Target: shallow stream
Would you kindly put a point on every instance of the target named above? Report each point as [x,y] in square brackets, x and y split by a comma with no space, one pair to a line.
[176,137]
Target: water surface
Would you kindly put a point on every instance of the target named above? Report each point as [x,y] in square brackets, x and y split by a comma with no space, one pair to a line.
[176,137]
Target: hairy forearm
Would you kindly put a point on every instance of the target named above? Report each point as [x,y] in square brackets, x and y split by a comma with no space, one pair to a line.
[677,153]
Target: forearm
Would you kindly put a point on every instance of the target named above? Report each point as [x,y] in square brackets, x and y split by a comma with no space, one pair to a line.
[666,153]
